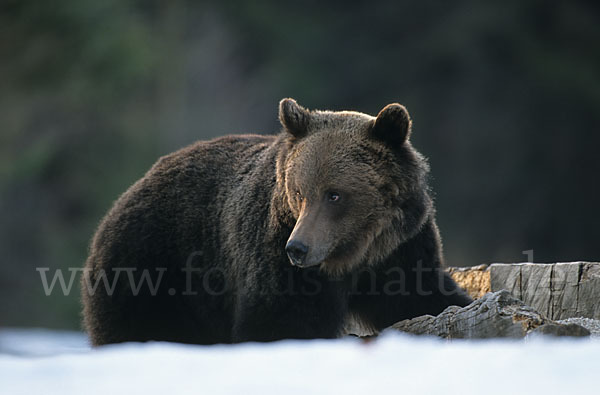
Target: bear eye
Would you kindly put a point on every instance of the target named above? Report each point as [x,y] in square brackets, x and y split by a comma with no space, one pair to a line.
[333,196]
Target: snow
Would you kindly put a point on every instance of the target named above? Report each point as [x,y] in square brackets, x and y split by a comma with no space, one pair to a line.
[41,342]
[46,362]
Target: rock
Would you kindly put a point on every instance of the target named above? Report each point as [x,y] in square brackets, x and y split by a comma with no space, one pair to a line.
[591,325]
[496,314]
[558,290]
[562,330]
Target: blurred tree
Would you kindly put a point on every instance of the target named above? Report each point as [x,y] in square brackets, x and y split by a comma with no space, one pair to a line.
[74,73]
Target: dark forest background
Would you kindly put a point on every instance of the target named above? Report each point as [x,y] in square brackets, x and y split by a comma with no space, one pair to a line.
[505,98]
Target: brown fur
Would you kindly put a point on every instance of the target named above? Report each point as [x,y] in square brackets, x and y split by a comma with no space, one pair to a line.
[227,207]
[343,151]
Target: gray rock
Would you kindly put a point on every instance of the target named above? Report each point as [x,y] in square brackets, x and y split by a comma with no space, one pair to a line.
[497,314]
[591,325]
[557,329]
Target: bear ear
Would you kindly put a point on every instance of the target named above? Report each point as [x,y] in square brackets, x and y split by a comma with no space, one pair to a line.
[392,125]
[293,117]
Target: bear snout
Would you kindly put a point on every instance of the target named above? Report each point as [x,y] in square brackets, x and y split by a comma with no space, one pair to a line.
[297,251]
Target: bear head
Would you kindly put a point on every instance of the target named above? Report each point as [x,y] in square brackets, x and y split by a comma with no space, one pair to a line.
[351,185]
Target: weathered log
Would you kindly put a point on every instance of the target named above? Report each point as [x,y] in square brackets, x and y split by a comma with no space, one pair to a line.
[558,290]
[496,314]
[475,280]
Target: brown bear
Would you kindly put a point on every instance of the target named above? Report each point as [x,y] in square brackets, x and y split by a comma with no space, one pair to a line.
[260,238]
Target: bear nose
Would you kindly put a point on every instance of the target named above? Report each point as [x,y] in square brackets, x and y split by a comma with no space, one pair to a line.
[297,251]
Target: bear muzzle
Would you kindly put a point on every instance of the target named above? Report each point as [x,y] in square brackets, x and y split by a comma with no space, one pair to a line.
[303,256]
[297,251]
[309,243]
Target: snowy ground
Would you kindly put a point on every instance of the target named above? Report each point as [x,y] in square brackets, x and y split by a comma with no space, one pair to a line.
[45,362]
